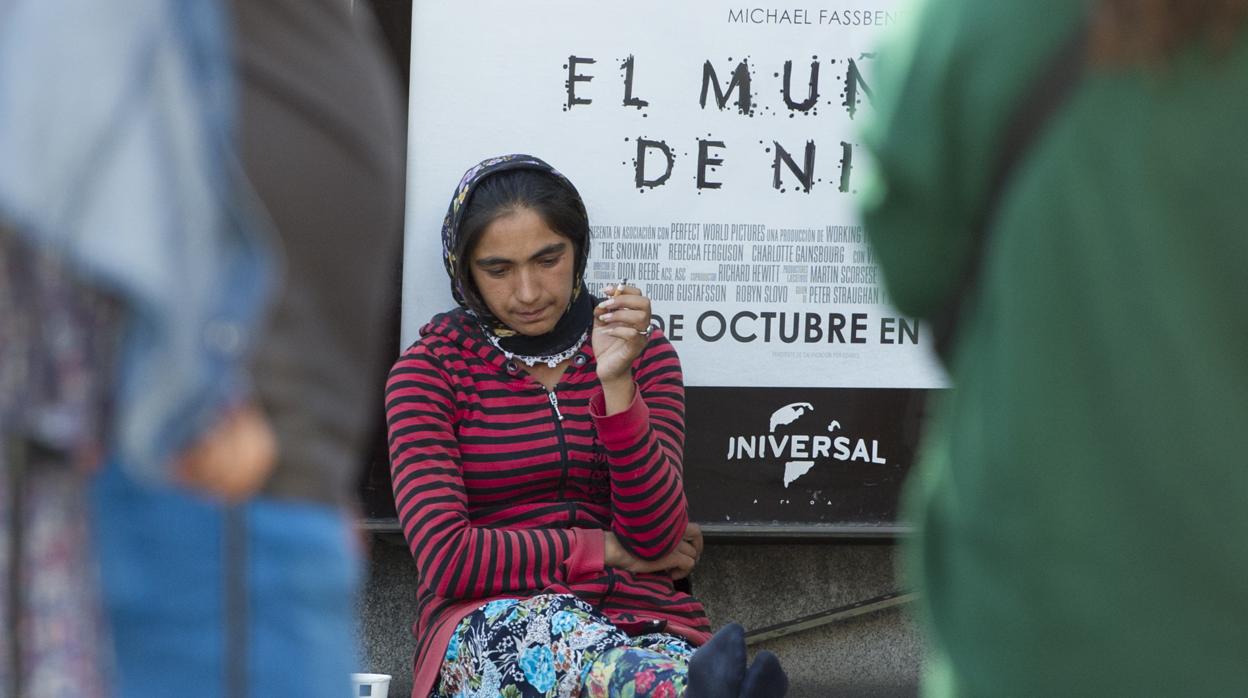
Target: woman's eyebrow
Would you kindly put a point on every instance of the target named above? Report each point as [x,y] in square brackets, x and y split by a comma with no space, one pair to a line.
[548,250]
[552,248]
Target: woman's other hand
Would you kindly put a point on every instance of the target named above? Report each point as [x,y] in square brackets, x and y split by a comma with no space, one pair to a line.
[621,330]
[693,536]
[678,563]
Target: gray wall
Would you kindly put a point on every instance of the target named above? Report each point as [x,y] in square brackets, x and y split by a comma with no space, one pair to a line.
[756,584]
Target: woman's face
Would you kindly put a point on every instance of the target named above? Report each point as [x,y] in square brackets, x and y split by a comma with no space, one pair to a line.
[523,271]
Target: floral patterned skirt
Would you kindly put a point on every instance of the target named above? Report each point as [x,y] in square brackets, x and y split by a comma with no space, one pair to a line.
[557,646]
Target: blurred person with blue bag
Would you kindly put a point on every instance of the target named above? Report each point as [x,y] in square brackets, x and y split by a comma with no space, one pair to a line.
[133,283]
[228,562]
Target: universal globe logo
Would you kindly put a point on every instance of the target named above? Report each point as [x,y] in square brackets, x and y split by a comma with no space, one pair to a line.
[789,439]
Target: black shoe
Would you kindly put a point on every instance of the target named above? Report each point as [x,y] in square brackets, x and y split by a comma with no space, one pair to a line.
[718,667]
[765,678]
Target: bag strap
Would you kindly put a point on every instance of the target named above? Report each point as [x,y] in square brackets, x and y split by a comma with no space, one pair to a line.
[1048,93]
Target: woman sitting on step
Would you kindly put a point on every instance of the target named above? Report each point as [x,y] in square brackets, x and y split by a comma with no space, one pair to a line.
[536,436]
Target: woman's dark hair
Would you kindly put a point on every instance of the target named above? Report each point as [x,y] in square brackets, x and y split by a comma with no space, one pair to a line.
[549,196]
[1150,31]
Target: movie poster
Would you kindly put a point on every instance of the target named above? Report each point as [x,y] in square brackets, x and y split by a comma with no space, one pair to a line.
[716,146]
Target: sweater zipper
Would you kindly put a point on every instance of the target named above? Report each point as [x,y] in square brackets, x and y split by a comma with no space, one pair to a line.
[563,444]
[554,402]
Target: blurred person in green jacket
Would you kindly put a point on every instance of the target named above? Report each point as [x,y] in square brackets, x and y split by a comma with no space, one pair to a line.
[1082,503]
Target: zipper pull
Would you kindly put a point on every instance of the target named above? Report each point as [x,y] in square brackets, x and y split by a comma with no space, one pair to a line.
[554,402]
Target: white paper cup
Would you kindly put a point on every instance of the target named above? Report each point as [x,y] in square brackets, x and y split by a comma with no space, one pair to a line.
[370,685]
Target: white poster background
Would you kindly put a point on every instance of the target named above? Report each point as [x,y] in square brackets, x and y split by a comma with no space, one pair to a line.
[489,77]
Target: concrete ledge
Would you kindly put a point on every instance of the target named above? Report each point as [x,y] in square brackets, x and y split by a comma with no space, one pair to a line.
[757,584]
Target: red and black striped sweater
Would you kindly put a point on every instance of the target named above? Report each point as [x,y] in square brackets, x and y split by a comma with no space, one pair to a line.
[504,489]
